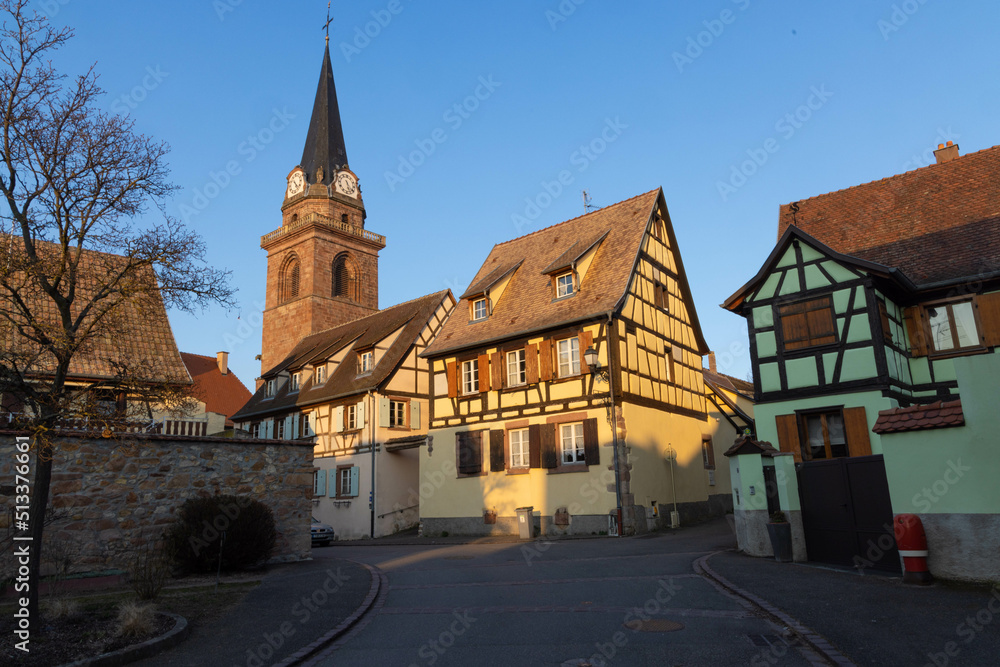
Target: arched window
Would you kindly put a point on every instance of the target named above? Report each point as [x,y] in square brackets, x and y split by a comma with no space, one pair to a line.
[345,277]
[290,279]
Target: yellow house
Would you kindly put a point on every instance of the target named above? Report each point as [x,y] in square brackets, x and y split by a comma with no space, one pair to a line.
[569,379]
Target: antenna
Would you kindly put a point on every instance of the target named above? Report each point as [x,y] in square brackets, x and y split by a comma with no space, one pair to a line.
[587,206]
[329,20]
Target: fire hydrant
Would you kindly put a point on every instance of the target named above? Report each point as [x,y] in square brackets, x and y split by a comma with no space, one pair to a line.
[912,543]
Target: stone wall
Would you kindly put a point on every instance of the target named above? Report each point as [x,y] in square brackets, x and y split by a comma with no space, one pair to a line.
[108,496]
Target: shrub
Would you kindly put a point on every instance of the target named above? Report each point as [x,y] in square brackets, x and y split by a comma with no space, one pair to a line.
[195,539]
[148,569]
[778,517]
[135,619]
[61,608]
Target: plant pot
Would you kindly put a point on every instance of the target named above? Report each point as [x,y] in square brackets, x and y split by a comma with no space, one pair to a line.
[781,541]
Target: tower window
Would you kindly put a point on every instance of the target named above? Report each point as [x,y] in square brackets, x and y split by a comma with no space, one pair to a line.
[345,278]
[344,219]
[290,280]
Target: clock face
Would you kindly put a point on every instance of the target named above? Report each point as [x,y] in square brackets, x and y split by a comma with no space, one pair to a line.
[346,184]
[296,183]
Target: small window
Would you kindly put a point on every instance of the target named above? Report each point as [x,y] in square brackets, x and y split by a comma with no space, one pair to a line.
[296,381]
[269,389]
[953,327]
[480,309]
[661,297]
[886,326]
[255,430]
[351,417]
[519,450]
[517,372]
[807,323]
[569,357]
[347,481]
[365,362]
[708,452]
[571,443]
[305,425]
[320,375]
[825,437]
[564,285]
[470,377]
[397,414]
[279,429]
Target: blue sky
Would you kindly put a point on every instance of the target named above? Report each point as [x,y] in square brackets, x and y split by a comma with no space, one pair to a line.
[805,97]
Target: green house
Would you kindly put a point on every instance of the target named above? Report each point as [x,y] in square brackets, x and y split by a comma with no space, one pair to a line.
[874,331]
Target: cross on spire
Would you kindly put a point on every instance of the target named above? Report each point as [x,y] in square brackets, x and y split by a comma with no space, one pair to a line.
[329,20]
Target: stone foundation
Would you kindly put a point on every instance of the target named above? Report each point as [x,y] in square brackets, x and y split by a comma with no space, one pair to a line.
[109,496]
[585,524]
[963,547]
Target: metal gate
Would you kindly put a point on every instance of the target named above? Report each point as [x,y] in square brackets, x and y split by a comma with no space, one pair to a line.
[847,514]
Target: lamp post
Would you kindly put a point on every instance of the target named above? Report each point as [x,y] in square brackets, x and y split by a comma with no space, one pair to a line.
[594,364]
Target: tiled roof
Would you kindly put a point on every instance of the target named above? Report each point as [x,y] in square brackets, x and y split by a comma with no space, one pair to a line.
[938,223]
[527,304]
[358,334]
[222,394]
[747,445]
[918,417]
[729,382]
[139,336]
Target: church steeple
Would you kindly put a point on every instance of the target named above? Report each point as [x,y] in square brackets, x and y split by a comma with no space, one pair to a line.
[325,140]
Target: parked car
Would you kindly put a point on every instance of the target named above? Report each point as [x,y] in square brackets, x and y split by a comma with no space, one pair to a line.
[322,534]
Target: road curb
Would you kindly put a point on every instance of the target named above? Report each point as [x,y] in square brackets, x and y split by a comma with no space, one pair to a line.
[146,649]
[823,653]
[310,651]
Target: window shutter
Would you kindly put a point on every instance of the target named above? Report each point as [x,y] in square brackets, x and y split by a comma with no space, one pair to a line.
[288,427]
[989,318]
[788,435]
[914,319]
[497,363]
[270,429]
[545,360]
[531,363]
[383,412]
[319,485]
[856,430]
[333,488]
[550,458]
[496,451]
[534,446]
[354,481]
[452,367]
[338,416]
[586,340]
[295,426]
[708,449]
[591,445]
[470,455]
[484,372]
[414,414]
[360,414]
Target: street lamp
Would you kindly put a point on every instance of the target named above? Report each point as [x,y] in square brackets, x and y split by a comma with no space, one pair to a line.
[593,363]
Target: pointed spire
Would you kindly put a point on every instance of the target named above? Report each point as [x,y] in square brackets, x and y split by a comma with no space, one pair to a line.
[325,140]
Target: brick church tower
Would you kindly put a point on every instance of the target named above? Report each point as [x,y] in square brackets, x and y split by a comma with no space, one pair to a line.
[322,264]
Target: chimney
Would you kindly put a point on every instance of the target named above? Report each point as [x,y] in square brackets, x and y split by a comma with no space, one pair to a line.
[711,362]
[223,359]
[946,152]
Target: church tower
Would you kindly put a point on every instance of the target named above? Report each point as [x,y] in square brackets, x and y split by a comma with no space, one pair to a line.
[322,264]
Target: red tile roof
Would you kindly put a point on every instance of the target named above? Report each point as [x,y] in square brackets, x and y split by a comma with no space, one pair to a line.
[222,394]
[919,417]
[937,223]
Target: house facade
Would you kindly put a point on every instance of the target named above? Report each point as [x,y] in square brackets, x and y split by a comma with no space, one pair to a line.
[569,380]
[874,328]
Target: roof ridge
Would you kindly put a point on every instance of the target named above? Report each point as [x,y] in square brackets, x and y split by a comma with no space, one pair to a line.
[889,178]
[380,311]
[564,222]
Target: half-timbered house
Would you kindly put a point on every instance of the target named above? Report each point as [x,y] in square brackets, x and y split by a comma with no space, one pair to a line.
[569,380]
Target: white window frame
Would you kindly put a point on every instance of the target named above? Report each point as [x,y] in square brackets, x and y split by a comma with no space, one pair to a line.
[366,362]
[344,475]
[351,417]
[520,451]
[485,309]
[571,435]
[398,420]
[320,375]
[470,377]
[951,322]
[517,370]
[565,287]
[569,357]
[255,430]
[269,389]
[279,429]
[295,382]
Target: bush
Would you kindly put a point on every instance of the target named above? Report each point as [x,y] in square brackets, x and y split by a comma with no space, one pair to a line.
[778,517]
[195,539]
[135,619]
[148,569]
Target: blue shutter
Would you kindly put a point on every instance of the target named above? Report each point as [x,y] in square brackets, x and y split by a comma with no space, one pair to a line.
[414,414]
[334,483]
[354,481]
[338,425]
[319,485]
[361,415]
[383,412]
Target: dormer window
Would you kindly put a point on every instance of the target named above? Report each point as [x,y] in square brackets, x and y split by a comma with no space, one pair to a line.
[564,285]
[953,327]
[269,389]
[366,362]
[296,381]
[319,376]
[480,309]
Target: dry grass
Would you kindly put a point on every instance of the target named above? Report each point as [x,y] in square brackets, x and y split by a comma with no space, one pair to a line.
[135,619]
[57,608]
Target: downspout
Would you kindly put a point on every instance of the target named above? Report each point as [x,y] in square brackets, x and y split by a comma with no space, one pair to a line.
[371,442]
[612,418]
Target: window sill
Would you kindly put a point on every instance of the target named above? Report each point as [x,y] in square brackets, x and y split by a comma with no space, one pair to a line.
[518,471]
[569,468]
[481,473]
[951,354]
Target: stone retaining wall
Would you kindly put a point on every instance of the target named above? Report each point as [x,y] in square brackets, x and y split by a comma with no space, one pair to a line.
[109,496]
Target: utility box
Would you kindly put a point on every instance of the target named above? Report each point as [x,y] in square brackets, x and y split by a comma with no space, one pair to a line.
[525,523]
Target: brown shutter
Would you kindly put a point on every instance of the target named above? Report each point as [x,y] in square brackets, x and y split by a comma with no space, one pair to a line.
[496,451]
[586,340]
[545,360]
[452,379]
[498,374]
[591,445]
[484,372]
[856,430]
[470,456]
[788,435]
[535,446]
[550,458]
[531,363]
[914,319]
[709,448]
[989,318]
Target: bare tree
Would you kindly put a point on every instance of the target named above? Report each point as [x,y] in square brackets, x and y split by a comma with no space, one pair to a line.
[81,263]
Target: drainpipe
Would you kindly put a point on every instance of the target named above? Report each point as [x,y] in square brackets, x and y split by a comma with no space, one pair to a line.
[614,424]
[372,416]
